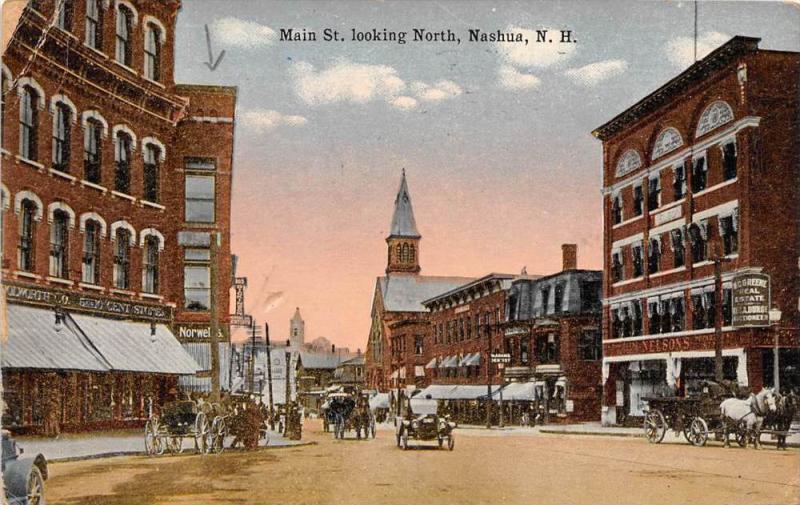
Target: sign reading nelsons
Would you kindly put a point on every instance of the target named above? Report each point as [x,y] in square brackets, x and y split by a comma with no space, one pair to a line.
[751,300]
[71,300]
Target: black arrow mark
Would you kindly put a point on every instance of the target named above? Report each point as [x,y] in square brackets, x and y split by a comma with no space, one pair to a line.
[212,65]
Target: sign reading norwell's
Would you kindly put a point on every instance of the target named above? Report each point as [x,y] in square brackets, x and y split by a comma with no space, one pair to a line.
[751,300]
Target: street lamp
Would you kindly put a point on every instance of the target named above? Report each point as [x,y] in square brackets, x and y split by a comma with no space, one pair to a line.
[774,319]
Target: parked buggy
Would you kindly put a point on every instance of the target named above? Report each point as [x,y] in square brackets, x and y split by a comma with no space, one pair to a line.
[349,412]
[179,420]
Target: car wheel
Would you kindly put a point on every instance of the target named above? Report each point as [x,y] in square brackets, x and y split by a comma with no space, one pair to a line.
[35,487]
[451,442]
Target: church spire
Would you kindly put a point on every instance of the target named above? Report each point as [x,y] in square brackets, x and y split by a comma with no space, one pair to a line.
[403,239]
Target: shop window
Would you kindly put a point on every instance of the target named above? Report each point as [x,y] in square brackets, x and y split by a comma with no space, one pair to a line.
[590,347]
[64,20]
[124,24]
[729,161]
[654,255]
[61,137]
[699,171]
[27,235]
[90,272]
[199,193]
[59,245]
[616,209]
[92,153]
[94,25]
[654,193]
[29,123]
[729,231]
[636,251]
[617,272]
[638,200]
[122,259]
[152,52]
[122,155]
[678,248]
[679,184]
[150,270]
[151,172]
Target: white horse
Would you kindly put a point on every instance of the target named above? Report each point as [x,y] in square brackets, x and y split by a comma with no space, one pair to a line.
[747,415]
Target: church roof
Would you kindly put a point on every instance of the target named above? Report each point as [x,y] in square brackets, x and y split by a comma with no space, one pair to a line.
[297,316]
[403,223]
[405,293]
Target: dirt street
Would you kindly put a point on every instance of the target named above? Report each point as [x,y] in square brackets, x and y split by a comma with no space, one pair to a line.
[485,467]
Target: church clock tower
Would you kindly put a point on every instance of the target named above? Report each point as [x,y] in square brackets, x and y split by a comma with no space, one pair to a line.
[403,239]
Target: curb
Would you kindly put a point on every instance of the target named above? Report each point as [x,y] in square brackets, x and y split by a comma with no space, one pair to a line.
[116,454]
[636,435]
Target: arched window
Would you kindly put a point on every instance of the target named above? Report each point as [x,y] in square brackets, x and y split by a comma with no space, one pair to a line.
[714,116]
[398,252]
[90,272]
[28,123]
[27,235]
[65,15]
[124,27]
[122,157]
[151,172]
[61,136]
[412,253]
[59,244]
[92,151]
[628,162]
[667,141]
[150,265]
[94,24]
[152,52]
[404,255]
[122,259]
[6,87]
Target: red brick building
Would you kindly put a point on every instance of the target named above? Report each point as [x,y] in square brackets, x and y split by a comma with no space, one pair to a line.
[706,166]
[114,180]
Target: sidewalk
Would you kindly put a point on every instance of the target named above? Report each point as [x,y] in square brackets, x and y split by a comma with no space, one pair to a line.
[75,446]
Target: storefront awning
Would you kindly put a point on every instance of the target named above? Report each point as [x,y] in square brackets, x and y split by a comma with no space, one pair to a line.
[34,342]
[518,391]
[436,391]
[431,364]
[128,346]
[449,362]
[379,401]
[473,359]
[455,392]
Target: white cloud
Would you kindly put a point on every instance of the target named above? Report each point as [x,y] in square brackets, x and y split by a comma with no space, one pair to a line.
[595,73]
[680,50]
[346,81]
[535,54]
[441,90]
[404,103]
[237,32]
[263,120]
[511,78]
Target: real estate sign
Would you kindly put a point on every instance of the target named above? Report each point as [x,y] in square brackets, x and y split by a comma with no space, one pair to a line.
[751,300]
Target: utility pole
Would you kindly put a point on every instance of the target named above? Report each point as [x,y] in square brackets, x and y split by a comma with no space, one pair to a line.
[718,261]
[488,375]
[213,340]
[269,368]
[288,369]
[251,372]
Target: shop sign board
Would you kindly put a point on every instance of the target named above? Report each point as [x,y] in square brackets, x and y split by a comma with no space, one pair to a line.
[198,333]
[500,358]
[751,300]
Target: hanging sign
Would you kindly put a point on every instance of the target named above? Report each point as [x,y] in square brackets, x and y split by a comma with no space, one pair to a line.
[751,300]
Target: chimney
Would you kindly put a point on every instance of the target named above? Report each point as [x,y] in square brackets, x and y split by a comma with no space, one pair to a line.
[569,255]
[333,349]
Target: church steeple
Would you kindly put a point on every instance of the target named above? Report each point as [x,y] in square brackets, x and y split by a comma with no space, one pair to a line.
[403,239]
[297,329]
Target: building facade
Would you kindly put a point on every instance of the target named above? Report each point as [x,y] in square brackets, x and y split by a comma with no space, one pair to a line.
[704,169]
[114,180]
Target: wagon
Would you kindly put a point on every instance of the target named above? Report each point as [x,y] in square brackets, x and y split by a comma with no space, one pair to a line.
[349,412]
[181,420]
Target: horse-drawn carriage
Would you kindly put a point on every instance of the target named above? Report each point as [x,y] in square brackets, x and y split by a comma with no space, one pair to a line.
[720,409]
[348,411]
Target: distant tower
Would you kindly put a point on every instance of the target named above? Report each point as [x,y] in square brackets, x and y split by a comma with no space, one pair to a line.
[403,239]
[297,330]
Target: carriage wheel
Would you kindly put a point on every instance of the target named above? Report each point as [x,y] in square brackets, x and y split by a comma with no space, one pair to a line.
[152,442]
[35,487]
[201,433]
[697,435]
[655,426]
[217,435]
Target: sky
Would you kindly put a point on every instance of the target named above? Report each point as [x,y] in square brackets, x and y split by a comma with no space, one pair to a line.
[495,138]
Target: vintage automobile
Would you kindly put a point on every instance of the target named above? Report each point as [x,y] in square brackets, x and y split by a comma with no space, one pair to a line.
[23,477]
[419,421]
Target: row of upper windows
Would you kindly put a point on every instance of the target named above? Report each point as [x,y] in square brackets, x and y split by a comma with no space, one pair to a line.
[457,330]
[95,128]
[669,139]
[29,207]
[668,314]
[698,236]
[698,181]
[127,20]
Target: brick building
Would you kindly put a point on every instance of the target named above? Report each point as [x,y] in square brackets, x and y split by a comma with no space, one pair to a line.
[552,332]
[399,320]
[114,180]
[705,167]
